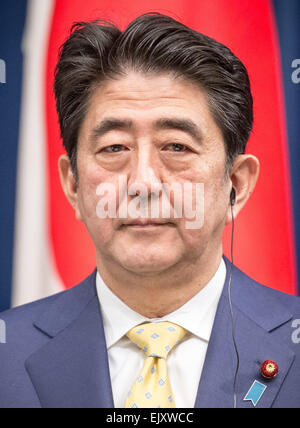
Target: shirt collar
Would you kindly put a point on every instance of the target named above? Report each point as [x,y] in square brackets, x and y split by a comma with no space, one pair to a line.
[196,316]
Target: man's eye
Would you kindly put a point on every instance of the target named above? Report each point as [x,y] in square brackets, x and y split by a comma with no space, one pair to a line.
[115,148]
[176,147]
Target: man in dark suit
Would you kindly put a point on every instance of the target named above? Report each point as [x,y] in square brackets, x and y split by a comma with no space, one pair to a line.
[155,121]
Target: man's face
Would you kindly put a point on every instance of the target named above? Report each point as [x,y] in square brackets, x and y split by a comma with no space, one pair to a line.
[151,130]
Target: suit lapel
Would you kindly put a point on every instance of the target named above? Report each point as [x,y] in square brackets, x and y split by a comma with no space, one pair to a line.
[256,317]
[71,370]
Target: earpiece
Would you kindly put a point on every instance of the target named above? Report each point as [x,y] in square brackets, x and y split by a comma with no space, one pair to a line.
[232,203]
[232,197]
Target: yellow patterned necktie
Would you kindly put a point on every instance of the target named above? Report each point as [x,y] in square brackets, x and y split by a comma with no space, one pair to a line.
[152,388]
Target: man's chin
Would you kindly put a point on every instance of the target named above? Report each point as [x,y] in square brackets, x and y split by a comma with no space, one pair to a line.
[148,268]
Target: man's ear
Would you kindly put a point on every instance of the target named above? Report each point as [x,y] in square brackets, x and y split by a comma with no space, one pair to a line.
[69,184]
[244,174]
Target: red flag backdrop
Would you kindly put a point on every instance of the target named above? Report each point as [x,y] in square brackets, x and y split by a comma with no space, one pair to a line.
[264,238]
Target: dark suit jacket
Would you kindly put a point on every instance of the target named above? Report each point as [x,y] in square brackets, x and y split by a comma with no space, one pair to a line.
[56,357]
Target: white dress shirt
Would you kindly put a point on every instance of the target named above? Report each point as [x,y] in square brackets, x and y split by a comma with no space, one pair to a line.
[186,360]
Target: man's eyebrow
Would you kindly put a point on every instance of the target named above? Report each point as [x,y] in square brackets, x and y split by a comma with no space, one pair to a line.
[110,124]
[185,125]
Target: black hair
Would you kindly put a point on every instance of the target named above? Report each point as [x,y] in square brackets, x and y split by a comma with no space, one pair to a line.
[152,43]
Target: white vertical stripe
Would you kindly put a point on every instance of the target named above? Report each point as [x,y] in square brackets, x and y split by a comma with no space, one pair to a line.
[34,273]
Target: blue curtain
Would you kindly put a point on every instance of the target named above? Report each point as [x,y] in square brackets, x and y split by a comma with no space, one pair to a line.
[12,17]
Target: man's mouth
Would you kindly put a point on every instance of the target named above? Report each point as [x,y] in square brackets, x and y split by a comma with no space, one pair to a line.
[147,223]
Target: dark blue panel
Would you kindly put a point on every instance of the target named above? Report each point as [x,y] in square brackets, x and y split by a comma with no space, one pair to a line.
[288,23]
[12,19]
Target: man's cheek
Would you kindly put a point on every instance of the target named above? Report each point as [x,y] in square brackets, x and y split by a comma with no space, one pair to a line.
[101,231]
[87,202]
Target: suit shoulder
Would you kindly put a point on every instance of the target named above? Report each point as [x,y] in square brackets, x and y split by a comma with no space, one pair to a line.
[268,295]
[31,311]
[289,300]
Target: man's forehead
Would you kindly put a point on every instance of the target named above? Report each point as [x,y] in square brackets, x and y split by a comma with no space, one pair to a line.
[159,97]
[147,88]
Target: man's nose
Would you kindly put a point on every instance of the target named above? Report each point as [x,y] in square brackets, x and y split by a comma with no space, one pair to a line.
[145,174]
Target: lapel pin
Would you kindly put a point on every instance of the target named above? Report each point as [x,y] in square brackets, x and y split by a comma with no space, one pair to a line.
[255,392]
[269,369]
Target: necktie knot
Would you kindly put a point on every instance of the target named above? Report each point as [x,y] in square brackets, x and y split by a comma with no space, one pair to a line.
[156,339]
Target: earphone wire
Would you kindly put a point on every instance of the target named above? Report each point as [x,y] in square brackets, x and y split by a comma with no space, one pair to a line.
[232,317]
